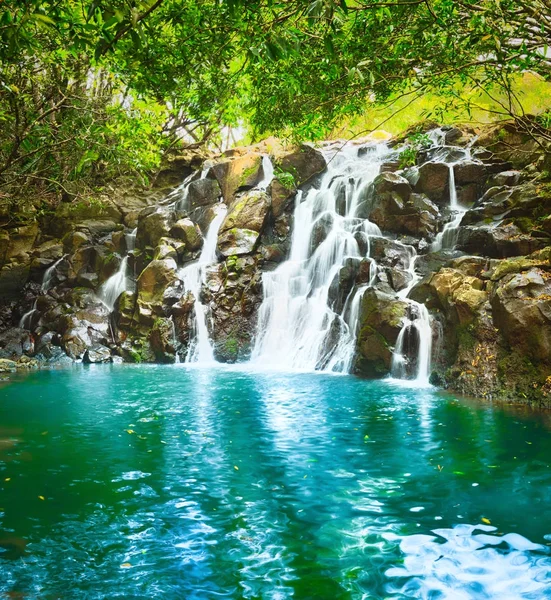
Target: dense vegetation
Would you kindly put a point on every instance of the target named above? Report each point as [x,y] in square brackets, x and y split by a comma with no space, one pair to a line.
[92,89]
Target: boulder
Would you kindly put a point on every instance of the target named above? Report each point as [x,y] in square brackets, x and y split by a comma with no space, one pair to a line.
[381,321]
[153,224]
[303,163]
[237,242]
[236,173]
[203,192]
[97,354]
[497,240]
[189,233]
[154,279]
[247,211]
[243,223]
[521,304]
[433,182]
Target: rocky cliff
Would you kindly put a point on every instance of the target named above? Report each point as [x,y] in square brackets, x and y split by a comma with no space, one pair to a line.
[465,231]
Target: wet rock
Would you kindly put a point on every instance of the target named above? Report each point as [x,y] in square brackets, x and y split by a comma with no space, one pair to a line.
[152,226]
[505,178]
[236,173]
[497,240]
[237,242]
[281,195]
[234,293]
[247,211]
[15,342]
[245,220]
[521,304]
[303,164]
[381,320]
[7,366]
[203,192]
[433,182]
[154,279]
[415,214]
[162,340]
[188,232]
[97,354]
[470,172]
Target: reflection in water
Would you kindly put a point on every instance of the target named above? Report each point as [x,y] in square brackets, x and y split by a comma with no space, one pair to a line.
[179,482]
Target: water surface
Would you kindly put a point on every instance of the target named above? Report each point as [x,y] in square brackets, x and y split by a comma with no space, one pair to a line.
[196,483]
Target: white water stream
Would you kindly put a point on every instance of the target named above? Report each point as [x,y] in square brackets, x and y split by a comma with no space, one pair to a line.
[27,319]
[193,277]
[119,282]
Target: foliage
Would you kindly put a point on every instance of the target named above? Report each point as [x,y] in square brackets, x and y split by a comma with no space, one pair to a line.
[415,142]
[90,89]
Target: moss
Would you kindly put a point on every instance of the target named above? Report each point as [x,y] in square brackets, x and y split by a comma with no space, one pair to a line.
[247,174]
[231,347]
[466,339]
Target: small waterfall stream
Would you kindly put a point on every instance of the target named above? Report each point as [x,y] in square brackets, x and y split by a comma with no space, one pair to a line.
[193,277]
[119,282]
[26,321]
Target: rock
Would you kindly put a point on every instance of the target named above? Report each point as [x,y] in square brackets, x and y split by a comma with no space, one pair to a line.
[234,294]
[187,231]
[282,195]
[497,240]
[237,173]
[415,214]
[152,226]
[470,172]
[505,178]
[7,366]
[433,181]
[237,242]
[154,279]
[241,228]
[98,227]
[381,320]
[247,211]
[521,304]
[51,251]
[15,342]
[162,340]
[203,192]
[97,354]
[74,240]
[303,164]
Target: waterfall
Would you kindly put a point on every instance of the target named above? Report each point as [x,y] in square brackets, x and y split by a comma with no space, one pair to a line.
[174,340]
[119,282]
[49,274]
[193,277]
[299,326]
[268,171]
[447,238]
[26,320]
[417,322]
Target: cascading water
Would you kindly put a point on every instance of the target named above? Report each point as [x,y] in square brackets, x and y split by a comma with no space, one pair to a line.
[416,331]
[298,325]
[119,282]
[193,277]
[26,321]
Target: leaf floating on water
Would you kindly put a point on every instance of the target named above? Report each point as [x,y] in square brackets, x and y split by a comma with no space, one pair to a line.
[236,467]
[486,521]
[7,479]
[130,431]
[458,473]
[366,437]
[41,498]
[126,566]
